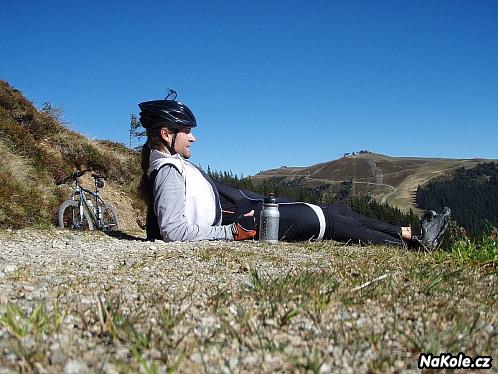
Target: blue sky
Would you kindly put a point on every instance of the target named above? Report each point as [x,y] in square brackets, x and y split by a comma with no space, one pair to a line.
[271,83]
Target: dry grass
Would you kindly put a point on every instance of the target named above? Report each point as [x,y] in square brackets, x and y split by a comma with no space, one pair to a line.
[246,307]
[17,165]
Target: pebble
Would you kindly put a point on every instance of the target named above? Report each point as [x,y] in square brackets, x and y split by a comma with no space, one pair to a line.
[8,371]
[109,368]
[250,360]
[10,268]
[122,353]
[233,362]
[75,367]
[57,357]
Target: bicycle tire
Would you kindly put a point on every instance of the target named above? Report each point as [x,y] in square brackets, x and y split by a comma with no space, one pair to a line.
[69,216]
[110,218]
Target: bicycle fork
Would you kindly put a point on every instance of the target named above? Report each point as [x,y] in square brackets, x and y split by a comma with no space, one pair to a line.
[82,217]
[81,207]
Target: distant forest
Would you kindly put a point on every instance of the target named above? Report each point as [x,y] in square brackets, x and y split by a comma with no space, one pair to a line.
[296,191]
[472,195]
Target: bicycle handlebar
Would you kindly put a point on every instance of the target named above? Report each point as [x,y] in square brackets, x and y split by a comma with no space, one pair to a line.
[72,176]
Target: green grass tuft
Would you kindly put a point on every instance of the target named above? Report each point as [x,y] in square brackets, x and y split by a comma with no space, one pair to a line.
[483,251]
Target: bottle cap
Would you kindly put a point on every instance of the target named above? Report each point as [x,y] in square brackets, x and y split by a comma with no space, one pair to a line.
[270,199]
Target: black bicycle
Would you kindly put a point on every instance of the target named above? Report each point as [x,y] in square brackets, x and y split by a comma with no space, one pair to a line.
[86,209]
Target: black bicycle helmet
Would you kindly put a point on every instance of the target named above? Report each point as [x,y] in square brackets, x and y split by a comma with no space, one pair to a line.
[168,113]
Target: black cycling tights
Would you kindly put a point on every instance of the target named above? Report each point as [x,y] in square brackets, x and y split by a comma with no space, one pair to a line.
[301,221]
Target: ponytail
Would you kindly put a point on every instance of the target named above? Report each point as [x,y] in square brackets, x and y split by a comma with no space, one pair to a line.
[154,141]
[144,188]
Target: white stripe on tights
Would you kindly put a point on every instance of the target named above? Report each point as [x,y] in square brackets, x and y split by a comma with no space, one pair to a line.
[321,219]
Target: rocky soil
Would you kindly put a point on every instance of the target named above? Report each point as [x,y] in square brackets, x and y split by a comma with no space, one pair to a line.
[77,302]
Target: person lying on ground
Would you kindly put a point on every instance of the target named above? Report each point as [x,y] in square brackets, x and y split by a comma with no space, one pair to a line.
[184,204]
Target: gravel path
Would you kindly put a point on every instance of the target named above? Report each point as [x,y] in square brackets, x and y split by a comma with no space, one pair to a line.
[86,302]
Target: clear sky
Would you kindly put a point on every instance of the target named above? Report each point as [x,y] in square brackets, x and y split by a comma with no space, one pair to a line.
[271,83]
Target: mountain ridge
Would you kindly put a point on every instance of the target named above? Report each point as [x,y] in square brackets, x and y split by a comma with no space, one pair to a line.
[388,179]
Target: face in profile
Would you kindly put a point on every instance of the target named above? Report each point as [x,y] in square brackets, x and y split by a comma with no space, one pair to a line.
[184,139]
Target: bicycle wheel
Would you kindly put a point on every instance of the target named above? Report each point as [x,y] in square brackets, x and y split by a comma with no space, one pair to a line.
[69,216]
[110,218]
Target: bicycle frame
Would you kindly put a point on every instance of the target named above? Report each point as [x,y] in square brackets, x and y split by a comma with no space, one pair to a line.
[95,211]
[80,207]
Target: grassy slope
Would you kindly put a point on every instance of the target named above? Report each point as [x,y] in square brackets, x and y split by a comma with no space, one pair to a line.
[38,149]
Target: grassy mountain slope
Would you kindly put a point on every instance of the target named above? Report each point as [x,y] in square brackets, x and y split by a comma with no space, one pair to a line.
[388,179]
[37,148]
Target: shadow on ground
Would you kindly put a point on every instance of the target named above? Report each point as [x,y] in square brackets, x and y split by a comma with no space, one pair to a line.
[124,236]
